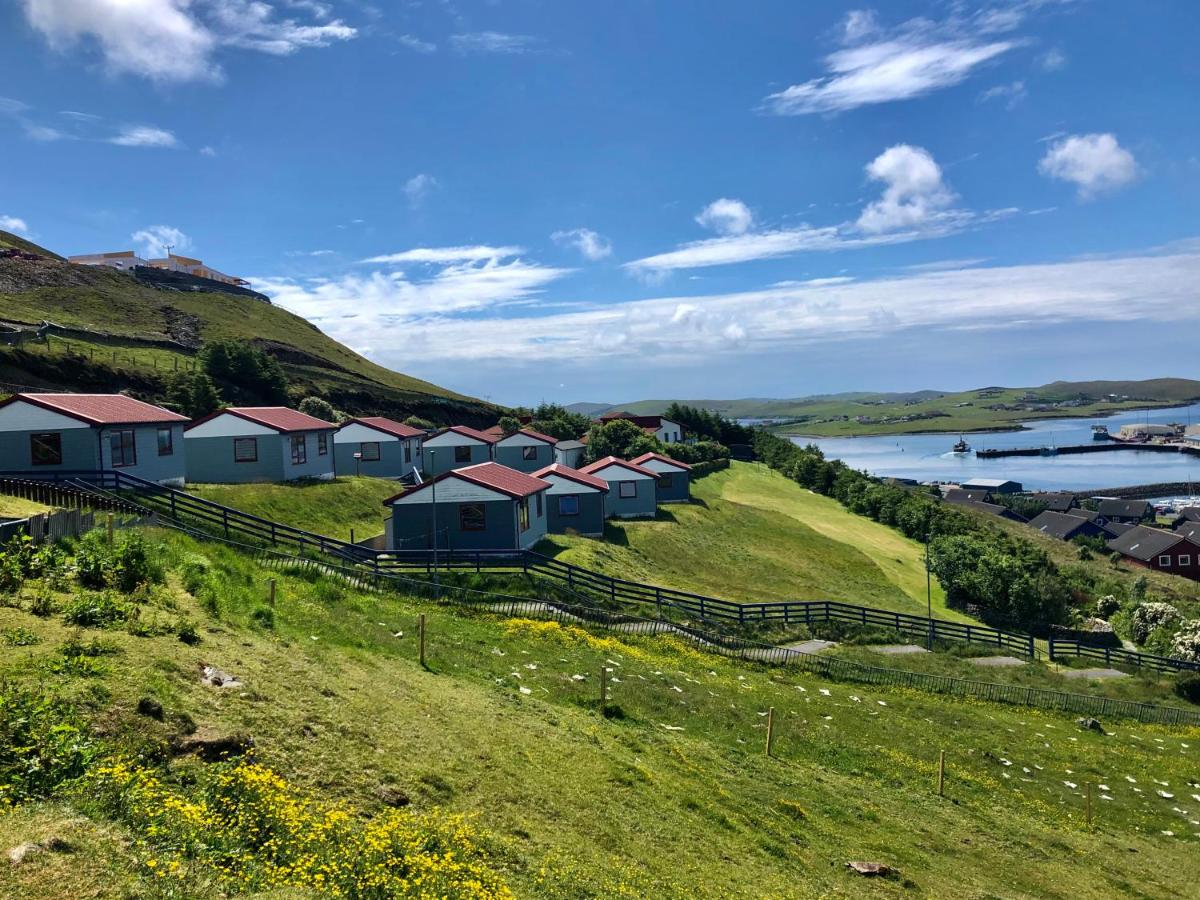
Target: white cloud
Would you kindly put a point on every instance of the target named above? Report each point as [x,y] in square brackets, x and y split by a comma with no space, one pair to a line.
[419,187]
[174,40]
[144,136]
[12,223]
[1012,94]
[916,59]
[591,246]
[1095,163]
[43,132]
[415,43]
[1053,60]
[913,190]
[493,42]
[434,255]
[153,241]
[207,151]
[726,216]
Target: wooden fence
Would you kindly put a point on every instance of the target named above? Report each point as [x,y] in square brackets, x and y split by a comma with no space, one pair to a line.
[1110,656]
[52,526]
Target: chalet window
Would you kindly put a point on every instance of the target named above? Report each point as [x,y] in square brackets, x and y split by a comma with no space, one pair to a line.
[529,453]
[472,517]
[408,451]
[626,489]
[539,505]
[299,449]
[322,443]
[664,480]
[462,453]
[1165,561]
[166,442]
[370,451]
[568,505]
[245,450]
[123,448]
[46,449]
[1185,560]
[523,514]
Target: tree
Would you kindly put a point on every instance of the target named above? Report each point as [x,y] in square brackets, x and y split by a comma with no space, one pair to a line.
[621,438]
[193,394]
[559,422]
[509,425]
[244,373]
[319,408]
[418,422]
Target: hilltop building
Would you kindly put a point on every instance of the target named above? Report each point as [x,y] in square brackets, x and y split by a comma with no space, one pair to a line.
[126,260]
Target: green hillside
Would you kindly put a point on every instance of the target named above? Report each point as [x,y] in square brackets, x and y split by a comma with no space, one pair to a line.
[155,331]
[10,241]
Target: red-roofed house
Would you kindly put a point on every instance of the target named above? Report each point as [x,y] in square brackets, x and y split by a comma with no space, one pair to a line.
[374,445]
[259,443]
[42,433]
[455,447]
[576,500]
[525,450]
[674,477]
[631,488]
[482,507]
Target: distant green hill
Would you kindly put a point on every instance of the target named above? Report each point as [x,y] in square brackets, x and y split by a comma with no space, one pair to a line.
[10,241]
[154,329]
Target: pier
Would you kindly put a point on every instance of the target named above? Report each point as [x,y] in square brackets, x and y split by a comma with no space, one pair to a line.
[1104,447]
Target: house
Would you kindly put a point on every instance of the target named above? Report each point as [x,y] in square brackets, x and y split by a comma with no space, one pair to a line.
[1173,552]
[377,446]
[674,477]
[569,453]
[1066,528]
[992,485]
[1128,511]
[1190,513]
[259,443]
[961,495]
[576,500]
[993,509]
[455,447]
[1057,502]
[632,489]
[123,260]
[1079,512]
[664,429]
[525,450]
[486,506]
[195,268]
[45,433]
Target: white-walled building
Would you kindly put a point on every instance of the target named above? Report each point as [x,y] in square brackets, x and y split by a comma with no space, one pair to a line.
[121,259]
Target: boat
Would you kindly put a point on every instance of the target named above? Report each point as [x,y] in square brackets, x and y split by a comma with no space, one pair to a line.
[1100,433]
[962,446]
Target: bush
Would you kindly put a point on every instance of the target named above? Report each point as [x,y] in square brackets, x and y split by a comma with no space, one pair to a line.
[125,565]
[1149,617]
[318,408]
[1187,686]
[193,572]
[186,630]
[95,611]
[42,746]
[1107,606]
[264,616]
[1186,643]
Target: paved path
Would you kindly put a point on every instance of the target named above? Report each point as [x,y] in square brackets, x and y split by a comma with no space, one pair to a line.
[998,661]
[899,649]
[1094,673]
[813,646]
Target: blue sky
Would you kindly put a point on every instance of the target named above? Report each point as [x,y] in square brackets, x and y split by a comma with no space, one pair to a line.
[546,199]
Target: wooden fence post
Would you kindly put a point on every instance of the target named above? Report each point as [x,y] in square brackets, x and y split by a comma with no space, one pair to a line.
[271,595]
[941,773]
[603,688]
[421,634]
[109,529]
[1088,787]
[770,729]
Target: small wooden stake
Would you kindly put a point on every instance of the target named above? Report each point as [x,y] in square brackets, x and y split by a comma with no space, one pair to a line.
[421,633]
[109,529]
[271,596]
[770,729]
[941,773]
[352,535]
[1088,787]
[603,687]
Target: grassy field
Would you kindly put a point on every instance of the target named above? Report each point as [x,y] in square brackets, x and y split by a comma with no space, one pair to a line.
[670,796]
[330,508]
[751,534]
[16,508]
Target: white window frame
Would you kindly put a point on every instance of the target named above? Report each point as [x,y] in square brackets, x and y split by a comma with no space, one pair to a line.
[1185,560]
[1165,560]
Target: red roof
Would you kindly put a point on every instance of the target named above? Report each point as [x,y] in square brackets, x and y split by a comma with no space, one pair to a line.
[100,409]
[646,457]
[545,438]
[387,426]
[469,432]
[616,461]
[573,475]
[489,475]
[279,418]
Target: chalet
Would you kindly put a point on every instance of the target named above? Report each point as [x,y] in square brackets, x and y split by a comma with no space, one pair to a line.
[1057,502]
[42,433]
[962,495]
[1190,513]
[569,453]
[993,509]
[1128,511]
[377,446]
[576,500]
[481,507]
[664,429]
[632,489]
[259,443]
[1079,512]
[456,447]
[992,485]
[1173,552]
[525,450]
[674,477]
[1066,528]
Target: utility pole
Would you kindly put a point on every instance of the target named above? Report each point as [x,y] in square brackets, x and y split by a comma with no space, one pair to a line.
[437,587]
[928,594]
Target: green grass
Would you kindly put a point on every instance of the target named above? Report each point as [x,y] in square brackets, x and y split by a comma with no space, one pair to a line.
[752,535]
[330,508]
[672,798]
[10,241]
[16,508]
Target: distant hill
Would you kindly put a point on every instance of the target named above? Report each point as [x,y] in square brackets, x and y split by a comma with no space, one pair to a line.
[126,333]
[10,241]
[589,409]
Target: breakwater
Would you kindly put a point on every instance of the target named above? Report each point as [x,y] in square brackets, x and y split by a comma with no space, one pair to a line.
[1098,447]
[1145,491]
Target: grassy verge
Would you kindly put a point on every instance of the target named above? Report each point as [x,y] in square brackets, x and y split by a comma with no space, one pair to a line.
[17,508]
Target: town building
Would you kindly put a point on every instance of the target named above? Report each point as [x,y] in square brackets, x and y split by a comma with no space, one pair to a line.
[195,268]
[122,260]
[664,429]
[377,446]
[1065,527]
[1127,511]
[632,489]
[525,450]
[674,477]
[570,453]
[262,443]
[43,433]
[962,495]
[456,447]
[1173,552]
[1057,502]
[992,485]
[576,501]
[481,507]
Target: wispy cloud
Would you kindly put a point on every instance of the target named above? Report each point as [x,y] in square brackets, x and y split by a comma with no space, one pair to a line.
[435,255]
[493,42]
[415,43]
[12,223]
[418,188]
[1011,94]
[144,136]
[726,216]
[1094,163]
[591,246]
[154,240]
[878,66]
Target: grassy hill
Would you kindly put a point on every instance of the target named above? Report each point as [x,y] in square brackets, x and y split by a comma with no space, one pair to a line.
[670,795]
[954,411]
[154,331]
[10,241]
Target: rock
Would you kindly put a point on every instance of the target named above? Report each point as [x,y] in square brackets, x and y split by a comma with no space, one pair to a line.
[211,746]
[19,853]
[871,869]
[1090,724]
[215,677]
[148,706]
[392,796]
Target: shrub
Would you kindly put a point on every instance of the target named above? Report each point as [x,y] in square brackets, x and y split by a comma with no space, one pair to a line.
[124,566]
[18,637]
[1186,643]
[1148,617]
[264,616]
[95,611]
[1107,606]
[193,572]
[42,745]
[1187,686]
[318,408]
[186,630]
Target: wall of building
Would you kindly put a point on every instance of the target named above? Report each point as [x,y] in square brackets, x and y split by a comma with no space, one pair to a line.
[643,505]
[438,456]
[170,470]
[316,464]
[589,522]
[211,460]
[571,458]
[511,452]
